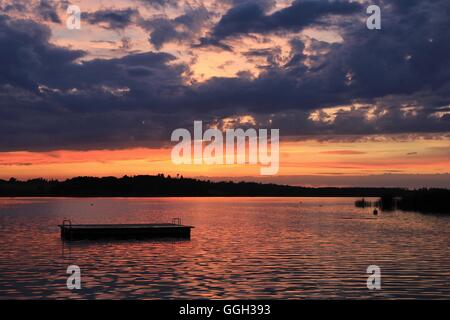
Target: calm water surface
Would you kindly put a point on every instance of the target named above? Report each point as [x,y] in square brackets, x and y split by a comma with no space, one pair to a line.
[240,248]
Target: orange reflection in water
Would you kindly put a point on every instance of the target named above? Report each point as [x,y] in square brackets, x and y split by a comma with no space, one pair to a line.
[240,248]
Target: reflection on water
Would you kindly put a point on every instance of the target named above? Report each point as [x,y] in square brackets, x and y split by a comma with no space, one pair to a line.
[240,248]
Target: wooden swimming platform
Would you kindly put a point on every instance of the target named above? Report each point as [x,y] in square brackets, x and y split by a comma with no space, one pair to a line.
[175,229]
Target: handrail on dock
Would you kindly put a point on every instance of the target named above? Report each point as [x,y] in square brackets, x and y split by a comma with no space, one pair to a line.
[69,224]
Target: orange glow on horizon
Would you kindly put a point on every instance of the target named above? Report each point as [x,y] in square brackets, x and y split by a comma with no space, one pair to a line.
[296,158]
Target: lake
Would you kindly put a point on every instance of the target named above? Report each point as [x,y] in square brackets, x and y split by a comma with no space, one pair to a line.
[246,248]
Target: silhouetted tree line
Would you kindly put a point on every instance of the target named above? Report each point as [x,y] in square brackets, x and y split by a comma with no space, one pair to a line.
[160,185]
[423,200]
[363,203]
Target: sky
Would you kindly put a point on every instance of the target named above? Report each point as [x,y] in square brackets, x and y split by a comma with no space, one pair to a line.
[354,107]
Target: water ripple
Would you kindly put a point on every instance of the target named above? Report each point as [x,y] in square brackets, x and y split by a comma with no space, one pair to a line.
[246,248]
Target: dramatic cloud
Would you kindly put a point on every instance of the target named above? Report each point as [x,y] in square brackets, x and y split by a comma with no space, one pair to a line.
[160,3]
[112,19]
[48,11]
[250,17]
[28,57]
[50,100]
[390,81]
[182,28]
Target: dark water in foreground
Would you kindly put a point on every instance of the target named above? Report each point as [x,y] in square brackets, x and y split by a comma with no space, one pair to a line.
[240,248]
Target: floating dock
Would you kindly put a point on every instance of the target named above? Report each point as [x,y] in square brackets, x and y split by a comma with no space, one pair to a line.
[175,229]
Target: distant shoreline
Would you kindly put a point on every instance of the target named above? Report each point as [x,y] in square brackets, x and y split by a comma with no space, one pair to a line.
[181,196]
[166,186]
[423,200]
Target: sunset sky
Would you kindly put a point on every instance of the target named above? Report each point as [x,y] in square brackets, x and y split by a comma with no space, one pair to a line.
[354,106]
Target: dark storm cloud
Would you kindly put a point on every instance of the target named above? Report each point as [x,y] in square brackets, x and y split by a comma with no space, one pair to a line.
[111,18]
[160,3]
[250,17]
[401,4]
[27,57]
[52,100]
[182,28]
[409,57]
[209,42]
[18,6]
[48,11]
[406,56]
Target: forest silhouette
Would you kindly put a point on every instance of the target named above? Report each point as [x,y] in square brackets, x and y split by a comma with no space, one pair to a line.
[425,200]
